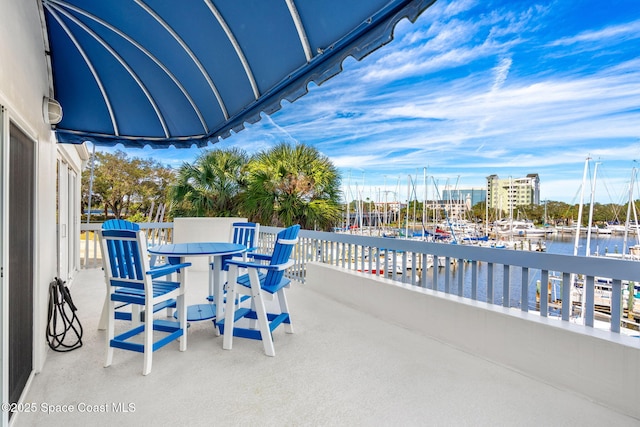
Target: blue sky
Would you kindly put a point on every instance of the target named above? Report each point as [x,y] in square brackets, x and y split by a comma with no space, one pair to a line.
[476,88]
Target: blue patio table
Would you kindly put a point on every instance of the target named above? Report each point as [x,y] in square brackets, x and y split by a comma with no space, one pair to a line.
[176,252]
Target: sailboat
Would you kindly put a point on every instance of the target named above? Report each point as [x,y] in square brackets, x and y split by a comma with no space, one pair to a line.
[518,228]
[603,286]
[632,251]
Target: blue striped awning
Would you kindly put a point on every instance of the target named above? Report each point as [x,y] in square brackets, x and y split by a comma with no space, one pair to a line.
[168,72]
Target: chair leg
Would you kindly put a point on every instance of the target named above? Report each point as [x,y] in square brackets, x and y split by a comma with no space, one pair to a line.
[229,314]
[104,316]
[257,301]
[148,340]
[170,312]
[135,315]
[252,322]
[263,323]
[182,313]
[284,308]
[110,305]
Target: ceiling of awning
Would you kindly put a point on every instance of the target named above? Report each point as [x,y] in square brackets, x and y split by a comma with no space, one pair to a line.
[167,72]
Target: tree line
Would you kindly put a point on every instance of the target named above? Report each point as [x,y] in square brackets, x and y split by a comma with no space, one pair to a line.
[122,187]
[561,213]
[548,213]
[284,185]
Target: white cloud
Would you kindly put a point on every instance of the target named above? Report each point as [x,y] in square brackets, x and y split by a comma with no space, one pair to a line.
[610,34]
[476,88]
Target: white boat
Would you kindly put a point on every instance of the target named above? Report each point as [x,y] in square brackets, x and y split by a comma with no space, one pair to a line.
[603,290]
[520,229]
[459,228]
[585,230]
[615,228]
[517,245]
[565,229]
[604,230]
[633,253]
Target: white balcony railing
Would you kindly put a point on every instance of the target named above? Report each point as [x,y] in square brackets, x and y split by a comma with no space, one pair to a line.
[509,278]
[90,256]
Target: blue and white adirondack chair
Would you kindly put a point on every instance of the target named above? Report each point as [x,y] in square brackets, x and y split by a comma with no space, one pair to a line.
[243,233]
[246,233]
[121,224]
[262,281]
[130,280]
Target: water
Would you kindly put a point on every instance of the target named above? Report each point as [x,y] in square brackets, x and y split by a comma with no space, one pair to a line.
[562,244]
[601,244]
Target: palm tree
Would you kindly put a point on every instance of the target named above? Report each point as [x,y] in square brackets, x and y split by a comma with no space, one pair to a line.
[211,185]
[292,184]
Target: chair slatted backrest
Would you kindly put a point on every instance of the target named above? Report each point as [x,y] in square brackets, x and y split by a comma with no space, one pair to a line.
[245,233]
[285,241]
[127,254]
[117,224]
[120,224]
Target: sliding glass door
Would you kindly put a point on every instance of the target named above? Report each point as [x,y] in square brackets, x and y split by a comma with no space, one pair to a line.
[21,247]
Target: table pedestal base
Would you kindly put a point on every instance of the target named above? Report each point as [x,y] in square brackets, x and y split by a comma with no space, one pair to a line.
[199,312]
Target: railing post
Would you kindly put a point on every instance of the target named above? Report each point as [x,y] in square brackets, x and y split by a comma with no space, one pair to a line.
[395,264]
[544,294]
[490,282]
[474,280]
[588,302]
[414,272]
[95,249]
[86,248]
[567,287]
[616,305]
[460,278]
[506,280]
[524,290]
[404,267]
[447,274]
[424,271]
[435,273]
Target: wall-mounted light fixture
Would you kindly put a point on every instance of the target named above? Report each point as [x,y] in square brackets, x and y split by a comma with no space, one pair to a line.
[51,111]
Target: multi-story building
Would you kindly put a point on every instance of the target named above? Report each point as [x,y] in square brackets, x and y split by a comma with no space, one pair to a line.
[505,194]
[452,209]
[470,196]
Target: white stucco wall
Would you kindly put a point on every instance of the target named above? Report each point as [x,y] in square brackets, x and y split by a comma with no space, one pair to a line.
[203,230]
[24,82]
[598,364]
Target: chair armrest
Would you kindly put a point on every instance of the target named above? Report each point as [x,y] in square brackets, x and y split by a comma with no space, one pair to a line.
[262,257]
[277,267]
[163,270]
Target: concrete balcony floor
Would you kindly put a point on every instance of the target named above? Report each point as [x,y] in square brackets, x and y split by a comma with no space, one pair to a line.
[341,367]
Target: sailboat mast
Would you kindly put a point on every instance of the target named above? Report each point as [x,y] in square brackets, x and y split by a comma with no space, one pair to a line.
[577,239]
[386,202]
[584,181]
[486,211]
[626,223]
[359,208]
[593,191]
[415,203]
[347,217]
[588,250]
[424,203]
[406,227]
[510,201]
